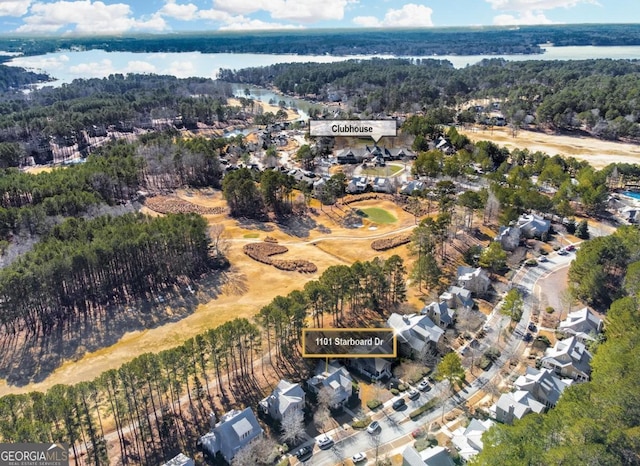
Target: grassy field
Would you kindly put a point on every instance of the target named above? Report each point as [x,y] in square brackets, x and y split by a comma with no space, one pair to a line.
[377,215]
[388,170]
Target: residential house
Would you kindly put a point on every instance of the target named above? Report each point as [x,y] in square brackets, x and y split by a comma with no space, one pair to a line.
[443,145]
[457,297]
[358,184]
[414,332]
[397,154]
[411,186]
[382,184]
[234,431]
[285,398]
[543,385]
[336,378]
[468,441]
[440,313]
[509,238]
[516,405]
[533,226]
[432,456]
[180,460]
[583,324]
[318,185]
[372,368]
[475,280]
[568,358]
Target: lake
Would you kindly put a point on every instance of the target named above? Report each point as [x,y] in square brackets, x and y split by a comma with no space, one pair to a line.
[69,65]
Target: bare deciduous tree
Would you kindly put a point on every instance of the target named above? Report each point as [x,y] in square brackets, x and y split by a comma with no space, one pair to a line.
[292,426]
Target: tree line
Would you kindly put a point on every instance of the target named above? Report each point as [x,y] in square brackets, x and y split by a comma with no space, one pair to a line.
[594,95]
[142,397]
[82,266]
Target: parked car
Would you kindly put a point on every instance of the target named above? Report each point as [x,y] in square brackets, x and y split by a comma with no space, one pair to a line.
[399,404]
[325,441]
[424,386]
[413,394]
[562,252]
[373,427]
[304,452]
[532,327]
[528,337]
[571,247]
[359,457]
[543,259]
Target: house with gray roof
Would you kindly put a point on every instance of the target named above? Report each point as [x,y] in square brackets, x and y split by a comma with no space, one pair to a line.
[335,377]
[533,226]
[509,237]
[568,358]
[372,368]
[180,460]
[473,279]
[515,405]
[234,431]
[411,186]
[414,332]
[382,184]
[543,385]
[432,456]
[440,313]
[285,398]
[582,324]
[468,441]
[457,297]
[357,184]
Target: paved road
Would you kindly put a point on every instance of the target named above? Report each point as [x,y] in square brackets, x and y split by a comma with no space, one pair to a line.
[396,427]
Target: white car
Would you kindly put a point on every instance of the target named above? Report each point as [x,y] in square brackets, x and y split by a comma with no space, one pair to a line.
[359,457]
[324,441]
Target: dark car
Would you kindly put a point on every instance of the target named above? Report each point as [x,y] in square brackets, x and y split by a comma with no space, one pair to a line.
[528,337]
[532,327]
[399,404]
[304,452]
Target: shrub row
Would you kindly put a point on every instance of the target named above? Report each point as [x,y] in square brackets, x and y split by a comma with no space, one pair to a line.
[390,243]
[262,253]
[428,406]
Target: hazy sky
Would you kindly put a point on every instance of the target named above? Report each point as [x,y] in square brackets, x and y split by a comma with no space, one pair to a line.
[115,16]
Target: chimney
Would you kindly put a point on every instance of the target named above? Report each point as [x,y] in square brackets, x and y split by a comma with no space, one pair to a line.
[212,419]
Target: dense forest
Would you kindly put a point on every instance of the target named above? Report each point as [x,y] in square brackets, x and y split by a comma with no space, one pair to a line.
[12,79]
[594,422]
[600,96]
[141,397]
[71,114]
[423,42]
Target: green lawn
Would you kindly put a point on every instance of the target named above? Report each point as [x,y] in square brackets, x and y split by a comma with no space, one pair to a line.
[378,215]
[388,170]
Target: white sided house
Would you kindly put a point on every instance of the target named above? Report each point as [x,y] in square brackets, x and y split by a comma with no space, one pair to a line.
[336,378]
[414,332]
[475,280]
[543,385]
[582,324]
[568,358]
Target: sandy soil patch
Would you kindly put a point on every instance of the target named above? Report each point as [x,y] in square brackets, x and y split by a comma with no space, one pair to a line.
[266,107]
[37,169]
[597,152]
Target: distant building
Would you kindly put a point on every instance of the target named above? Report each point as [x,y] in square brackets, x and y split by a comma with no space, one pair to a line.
[533,226]
[440,313]
[475,280]
[509,238]
[285,398]
[582,324]
[336,378]
[516,405]
[457,297]
[234,431]
[568,358]
[543,385]
[414,332]
[468,441]
[372,368]
[432,456]
[180,460]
